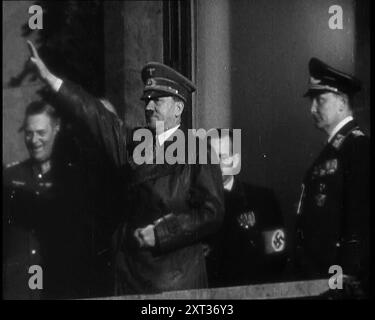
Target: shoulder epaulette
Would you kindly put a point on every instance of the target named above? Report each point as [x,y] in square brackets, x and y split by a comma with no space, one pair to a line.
[340,138]
[12,164]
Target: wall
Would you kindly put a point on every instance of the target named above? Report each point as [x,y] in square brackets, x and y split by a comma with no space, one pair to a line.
[252,72]
[15,98]
[363,61]
[133,33]
[213,64]
[133,36]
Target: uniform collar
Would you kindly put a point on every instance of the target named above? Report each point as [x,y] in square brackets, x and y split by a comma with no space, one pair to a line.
[342,134]
[37,170]
[339,126]
[166,134]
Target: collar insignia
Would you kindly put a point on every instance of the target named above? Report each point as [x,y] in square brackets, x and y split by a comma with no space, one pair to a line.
[338,140]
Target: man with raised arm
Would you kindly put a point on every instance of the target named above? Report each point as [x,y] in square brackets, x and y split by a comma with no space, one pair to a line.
[170,208]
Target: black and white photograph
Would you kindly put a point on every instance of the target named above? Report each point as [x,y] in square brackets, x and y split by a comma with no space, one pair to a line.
[211,150]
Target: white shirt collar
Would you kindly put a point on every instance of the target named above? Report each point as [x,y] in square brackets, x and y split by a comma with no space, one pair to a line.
[166,134]
[339,126]
[228,185]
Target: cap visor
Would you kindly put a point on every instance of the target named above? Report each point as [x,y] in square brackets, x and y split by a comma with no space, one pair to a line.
[315,92]
[150,94]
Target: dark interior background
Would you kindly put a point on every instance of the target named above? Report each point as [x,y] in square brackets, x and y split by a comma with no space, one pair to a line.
[248,58]
[252,59]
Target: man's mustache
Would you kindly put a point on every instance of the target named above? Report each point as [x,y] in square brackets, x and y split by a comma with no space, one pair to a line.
[315,117]
[149,114]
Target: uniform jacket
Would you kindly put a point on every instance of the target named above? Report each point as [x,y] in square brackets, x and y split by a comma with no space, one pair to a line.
[45,224]
[184,200]
[333,219]
[250,246]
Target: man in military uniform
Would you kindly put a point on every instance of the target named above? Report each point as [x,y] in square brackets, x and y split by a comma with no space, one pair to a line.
[250,247]
[44,222]
[171,207]
[333,214]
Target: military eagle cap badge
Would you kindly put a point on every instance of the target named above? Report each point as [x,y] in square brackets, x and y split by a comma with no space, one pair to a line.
[150,70]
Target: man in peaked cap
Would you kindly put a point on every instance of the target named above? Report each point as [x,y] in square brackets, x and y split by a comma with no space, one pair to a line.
[170,208]
[165,93]
[333,213]
[161,80]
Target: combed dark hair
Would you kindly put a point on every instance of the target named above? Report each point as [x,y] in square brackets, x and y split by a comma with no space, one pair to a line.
[39,107]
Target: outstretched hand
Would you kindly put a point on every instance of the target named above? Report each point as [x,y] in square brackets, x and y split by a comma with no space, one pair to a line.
[36,61]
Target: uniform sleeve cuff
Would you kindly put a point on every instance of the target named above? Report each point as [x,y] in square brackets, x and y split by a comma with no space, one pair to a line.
[57,83]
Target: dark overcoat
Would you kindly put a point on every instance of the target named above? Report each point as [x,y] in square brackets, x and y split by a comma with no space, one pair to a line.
[184,201]
[333,216]
[251,245]
[45,223]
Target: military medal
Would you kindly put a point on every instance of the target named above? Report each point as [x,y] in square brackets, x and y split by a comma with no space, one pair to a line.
[322,187]
[320,199]
[246,220]
[331,166]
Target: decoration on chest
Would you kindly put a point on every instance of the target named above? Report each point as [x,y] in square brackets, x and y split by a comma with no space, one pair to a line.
[246,219]
[320,199]
[327,168]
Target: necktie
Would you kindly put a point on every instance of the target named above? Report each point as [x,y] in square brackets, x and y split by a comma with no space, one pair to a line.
[156,148]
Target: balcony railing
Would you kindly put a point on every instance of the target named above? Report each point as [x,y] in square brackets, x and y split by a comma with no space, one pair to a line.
[279,290]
